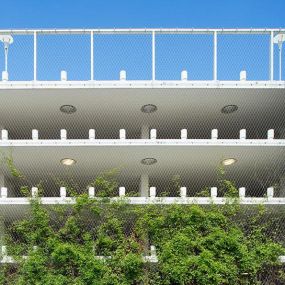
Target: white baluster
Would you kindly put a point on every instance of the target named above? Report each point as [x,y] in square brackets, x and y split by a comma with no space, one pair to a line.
[122,134]
[153,134]
[63,134]
[35,134]
[242,134]
[241,192]
[92,134]
[4,192]
[183,192]
[214,192]
[62,192]
[152,192]
[122,191]
[214,134]
[91,192]
[184,134]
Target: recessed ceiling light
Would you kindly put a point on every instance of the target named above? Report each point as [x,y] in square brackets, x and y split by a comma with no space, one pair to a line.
[228,109]
[149,161]
[229,161]
[67,109]
[68,161]
[149,108]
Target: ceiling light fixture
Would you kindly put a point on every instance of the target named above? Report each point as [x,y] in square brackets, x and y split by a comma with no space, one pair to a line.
[68,161]
[229,161]
[148,161]
[228,109]
[149,108]
[67,109]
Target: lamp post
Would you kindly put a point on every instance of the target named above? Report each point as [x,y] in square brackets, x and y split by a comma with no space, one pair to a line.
[279,39]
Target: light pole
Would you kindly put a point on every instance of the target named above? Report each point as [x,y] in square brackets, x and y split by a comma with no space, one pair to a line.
[279,39]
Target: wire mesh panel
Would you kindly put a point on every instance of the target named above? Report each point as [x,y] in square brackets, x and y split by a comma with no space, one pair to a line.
[70,53]
[143,140]
[178,52]
[116,52]
[238,52]
[20,58]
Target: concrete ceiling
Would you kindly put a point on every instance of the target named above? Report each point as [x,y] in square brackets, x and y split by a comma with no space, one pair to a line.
[108,110]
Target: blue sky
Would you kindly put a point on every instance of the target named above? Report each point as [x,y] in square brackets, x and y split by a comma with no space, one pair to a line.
[139,13]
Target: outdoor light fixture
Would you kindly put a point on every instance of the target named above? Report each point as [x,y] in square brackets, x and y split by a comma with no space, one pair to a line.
[279,39]
[68,161]
[149,108]
[229,161]
[149,161]
[228,109]
[6,40]
[67,109]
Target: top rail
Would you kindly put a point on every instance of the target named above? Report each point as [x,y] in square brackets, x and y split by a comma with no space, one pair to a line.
[143,31]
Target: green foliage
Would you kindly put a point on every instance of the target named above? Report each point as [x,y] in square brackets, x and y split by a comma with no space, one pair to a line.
[195,245]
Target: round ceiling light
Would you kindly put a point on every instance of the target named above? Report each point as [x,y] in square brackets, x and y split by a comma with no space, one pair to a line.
[229,161]
[68,161]
[148,161]
[149,108]
[67,109]
[228,109]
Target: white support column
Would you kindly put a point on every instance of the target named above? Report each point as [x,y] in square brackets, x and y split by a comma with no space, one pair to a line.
[153,55]
[215,67]
[92,55]
[271,55]
[144,185]
[35,55]
[145,132]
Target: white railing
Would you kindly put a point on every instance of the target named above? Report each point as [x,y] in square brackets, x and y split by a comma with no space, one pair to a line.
[145,54]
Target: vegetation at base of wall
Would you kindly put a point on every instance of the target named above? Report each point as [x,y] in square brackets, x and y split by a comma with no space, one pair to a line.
[210,245]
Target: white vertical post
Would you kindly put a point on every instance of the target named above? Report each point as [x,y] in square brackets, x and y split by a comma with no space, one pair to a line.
[280,62]
[92,134]
[144,185]
[270,192]
[214,192]
[184,134]
[242,134]
[153,55]
[34,192]
[242,75]
[91,192]
[122,191]
[153,134]
[92,56]
[35,134]
[62,192]
[183,192]
[270,134]
[123,75]
[152,192]
[4,192]
[214,134]
[4,134]
[63,75]
[35,55]
[215,69]
[241,192]
[122,134]
[63,134]
[271,55]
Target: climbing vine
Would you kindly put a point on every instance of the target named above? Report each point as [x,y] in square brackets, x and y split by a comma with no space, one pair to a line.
[99,242]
